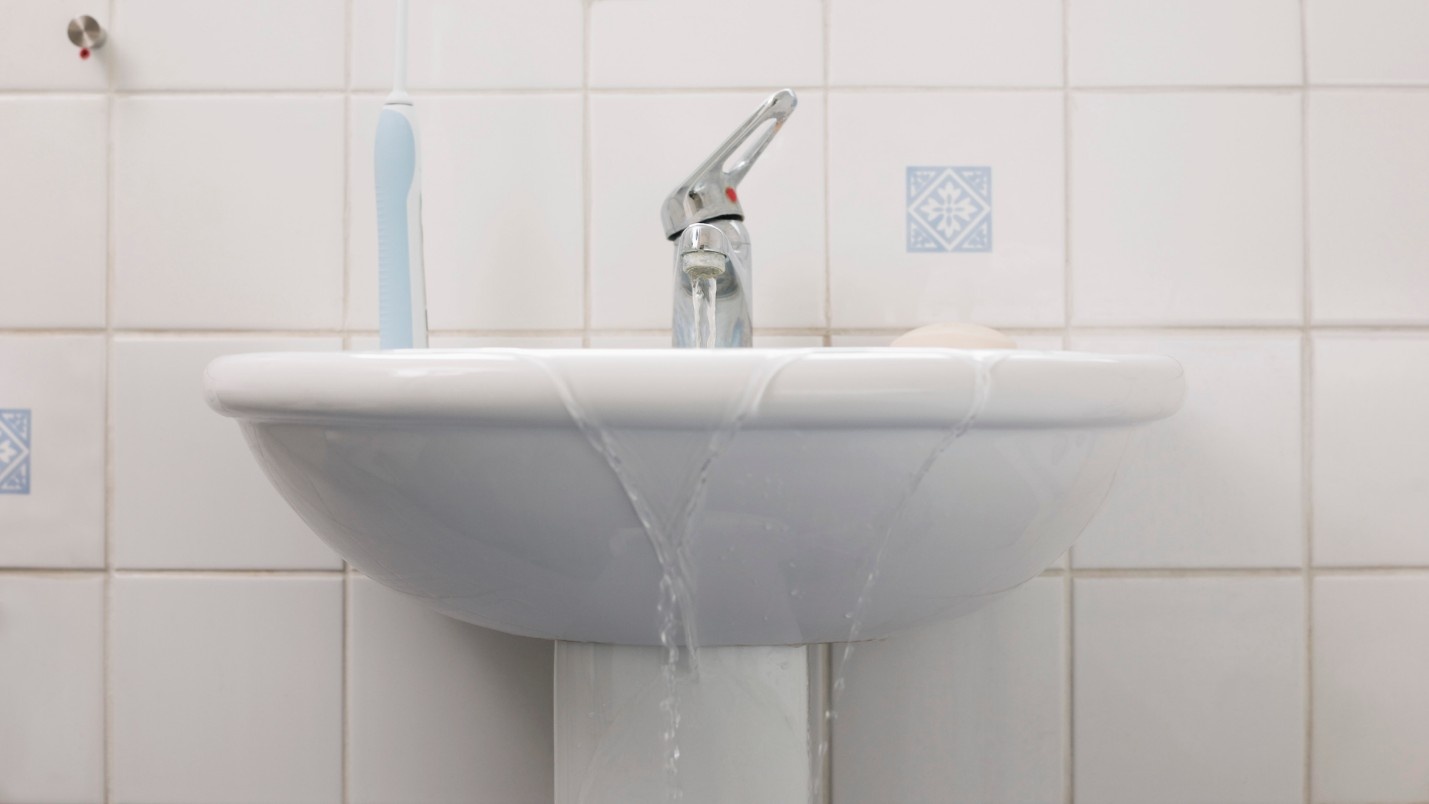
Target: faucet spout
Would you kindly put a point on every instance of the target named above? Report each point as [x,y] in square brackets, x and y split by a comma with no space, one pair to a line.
[703,251]
[712,274]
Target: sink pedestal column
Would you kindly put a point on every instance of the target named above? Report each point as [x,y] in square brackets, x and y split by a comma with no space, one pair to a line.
[749,724]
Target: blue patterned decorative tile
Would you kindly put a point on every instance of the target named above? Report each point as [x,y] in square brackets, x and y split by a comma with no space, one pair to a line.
[949,209]
[14,451]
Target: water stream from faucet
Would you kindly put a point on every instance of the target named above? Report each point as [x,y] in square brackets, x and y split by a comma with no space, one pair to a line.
[703,323]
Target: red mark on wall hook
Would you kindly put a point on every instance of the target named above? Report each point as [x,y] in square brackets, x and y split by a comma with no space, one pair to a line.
[84,53]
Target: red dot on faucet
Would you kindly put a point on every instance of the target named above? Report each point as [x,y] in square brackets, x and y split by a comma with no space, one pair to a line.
[729,192]
[84,53]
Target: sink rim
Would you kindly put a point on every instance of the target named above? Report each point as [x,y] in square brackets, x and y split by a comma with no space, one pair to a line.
[669,389]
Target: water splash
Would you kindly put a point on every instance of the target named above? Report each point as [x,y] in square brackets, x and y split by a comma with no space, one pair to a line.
[983,365]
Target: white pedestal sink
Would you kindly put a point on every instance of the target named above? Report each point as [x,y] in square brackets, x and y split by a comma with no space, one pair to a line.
[462,478]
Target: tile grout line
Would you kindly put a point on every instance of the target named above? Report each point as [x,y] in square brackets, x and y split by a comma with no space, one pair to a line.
[828,333]
[586,195]
[345,316]
[585,176]
[419,92]
[1307,387]
[1403,329]
[107,629]
[1069,756]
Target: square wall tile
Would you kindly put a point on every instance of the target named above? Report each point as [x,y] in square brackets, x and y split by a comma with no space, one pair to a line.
[51,689]
[660,340]
[1371,699]
[471,44]
[370,343]
[881,278]
[766,341]
[688,43]
[1368,166]
[256,44]
[52,451]
[1189,690]
[226,689]
[945,43]
[52,211]
[1367,41]
[972,709]
[501,212]
[35,54]
[1180,42]
[228,212]
[635,166]
[1036,341]
[188,494]
[1186,208]
[859,341]
[1220,483]
[1371,479]
[441,710]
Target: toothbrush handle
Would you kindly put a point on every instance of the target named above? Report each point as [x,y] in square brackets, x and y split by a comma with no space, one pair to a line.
[402,288]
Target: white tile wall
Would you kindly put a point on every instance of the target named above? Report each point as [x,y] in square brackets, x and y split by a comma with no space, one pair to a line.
[187,493]
[472,44]
[52,211]
[688,43]
[425,691]
[1183,42]
[945,43]
[369,343]
[1204,489]
[1367,172]
[60,381]
[1371,392]
[36,55]
[1186,208]
[256,44]
[1162,180]
[226,689]
[228,212]
[876,281]
[51,688]
[1371,702]
[1189,690]
[986,725]
[1367,41]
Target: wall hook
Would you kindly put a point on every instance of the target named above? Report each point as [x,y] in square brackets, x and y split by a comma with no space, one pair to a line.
[87,34]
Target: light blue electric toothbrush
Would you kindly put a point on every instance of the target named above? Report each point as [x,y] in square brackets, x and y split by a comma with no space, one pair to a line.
[402,284]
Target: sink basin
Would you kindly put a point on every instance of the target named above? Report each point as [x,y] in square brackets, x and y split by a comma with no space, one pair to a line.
[481,482]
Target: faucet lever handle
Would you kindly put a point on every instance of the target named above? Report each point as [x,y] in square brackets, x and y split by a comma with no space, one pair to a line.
[776,107]
[709,192]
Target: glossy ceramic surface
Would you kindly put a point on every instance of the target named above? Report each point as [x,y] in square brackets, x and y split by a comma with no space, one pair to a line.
[461,477]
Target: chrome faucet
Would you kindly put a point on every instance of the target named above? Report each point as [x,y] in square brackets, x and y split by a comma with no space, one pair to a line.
[706,222]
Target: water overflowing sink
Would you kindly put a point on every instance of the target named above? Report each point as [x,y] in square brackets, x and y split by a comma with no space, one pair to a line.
[475,480]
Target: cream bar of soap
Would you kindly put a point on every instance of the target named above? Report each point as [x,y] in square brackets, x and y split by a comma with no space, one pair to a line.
[955,336]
